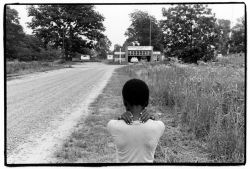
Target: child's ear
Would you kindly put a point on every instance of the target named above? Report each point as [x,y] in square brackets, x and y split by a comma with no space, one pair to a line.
[125,103]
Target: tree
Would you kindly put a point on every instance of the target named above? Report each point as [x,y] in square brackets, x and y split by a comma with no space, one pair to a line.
[14,33]
[70,27]
[29,49]
[224,35]
[238,37]
[117,47]
[139,30]
[126,44]
[189,32]
[102,47]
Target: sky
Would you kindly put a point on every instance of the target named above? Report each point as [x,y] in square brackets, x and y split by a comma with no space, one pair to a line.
[117,16]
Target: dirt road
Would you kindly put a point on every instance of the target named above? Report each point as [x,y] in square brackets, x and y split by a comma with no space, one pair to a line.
[43,108]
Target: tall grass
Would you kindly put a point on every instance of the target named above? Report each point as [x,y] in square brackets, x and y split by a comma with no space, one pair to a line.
[233,60]
[210,101]
[17,67]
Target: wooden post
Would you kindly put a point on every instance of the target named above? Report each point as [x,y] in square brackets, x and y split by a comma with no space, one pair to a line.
[149,31]
[126,54]
[120,56]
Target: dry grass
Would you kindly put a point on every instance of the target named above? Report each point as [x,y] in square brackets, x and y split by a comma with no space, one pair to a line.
[206,101]
[236,61]
[16,68]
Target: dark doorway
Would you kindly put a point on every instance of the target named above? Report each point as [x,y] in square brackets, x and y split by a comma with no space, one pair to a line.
[140,58]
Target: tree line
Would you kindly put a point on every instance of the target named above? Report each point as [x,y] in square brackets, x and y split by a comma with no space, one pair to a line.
[59,31]
[189,32]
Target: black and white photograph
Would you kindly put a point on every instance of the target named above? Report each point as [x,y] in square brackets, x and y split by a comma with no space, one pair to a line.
[110,84]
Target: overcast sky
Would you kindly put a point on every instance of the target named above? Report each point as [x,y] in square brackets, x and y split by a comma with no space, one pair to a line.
[117,16]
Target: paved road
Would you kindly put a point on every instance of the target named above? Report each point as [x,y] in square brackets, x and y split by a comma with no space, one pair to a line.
[43,107]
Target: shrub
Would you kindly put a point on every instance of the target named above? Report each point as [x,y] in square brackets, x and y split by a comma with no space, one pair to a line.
[27,54]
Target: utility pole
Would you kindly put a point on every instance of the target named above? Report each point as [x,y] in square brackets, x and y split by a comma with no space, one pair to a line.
[63,45]
[149,31]
[120,56]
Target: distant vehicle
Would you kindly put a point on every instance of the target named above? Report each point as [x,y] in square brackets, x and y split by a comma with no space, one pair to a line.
[110,57]
[134,60]
[85,57]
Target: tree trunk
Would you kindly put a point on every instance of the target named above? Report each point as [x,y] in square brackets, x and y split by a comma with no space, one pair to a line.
[67,56]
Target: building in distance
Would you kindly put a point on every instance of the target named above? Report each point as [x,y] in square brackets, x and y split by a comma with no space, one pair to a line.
[140,53]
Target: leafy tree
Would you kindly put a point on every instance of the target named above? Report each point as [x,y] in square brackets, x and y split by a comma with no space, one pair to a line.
[70,27]
[189,32]
[102,47]
[29,48]
[238,37]
[139,30]
[14,33]
[127,43]
[117,48]
[224,35]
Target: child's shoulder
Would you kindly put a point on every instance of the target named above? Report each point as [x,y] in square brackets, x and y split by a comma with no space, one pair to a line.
[156,123]
[115,123]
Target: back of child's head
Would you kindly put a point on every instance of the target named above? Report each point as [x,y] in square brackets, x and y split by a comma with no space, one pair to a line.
[136,92]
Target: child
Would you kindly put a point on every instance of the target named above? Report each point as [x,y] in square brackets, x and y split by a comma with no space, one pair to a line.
[136,142]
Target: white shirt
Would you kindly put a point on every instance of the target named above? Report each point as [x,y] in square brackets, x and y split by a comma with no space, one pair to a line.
[136,142]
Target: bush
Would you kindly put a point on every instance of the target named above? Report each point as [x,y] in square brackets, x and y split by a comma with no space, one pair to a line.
[194,54]
[27,54]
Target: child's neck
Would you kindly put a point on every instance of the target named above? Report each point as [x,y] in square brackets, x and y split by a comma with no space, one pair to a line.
[136,110]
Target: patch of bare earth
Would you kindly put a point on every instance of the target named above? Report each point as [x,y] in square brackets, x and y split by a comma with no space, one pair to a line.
[91,143]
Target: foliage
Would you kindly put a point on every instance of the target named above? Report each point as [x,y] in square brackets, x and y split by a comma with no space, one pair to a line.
[139,30]
[189,29]
[70,27]
[224,38]
[238,37]
[126,44]
[117,48]
[14,33]
[22,46]
[102,47]
[29,48]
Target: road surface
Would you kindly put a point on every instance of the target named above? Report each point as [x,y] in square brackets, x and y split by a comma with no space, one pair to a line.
[43,108]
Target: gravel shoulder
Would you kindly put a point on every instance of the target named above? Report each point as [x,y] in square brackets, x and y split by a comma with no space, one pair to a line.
[42,109]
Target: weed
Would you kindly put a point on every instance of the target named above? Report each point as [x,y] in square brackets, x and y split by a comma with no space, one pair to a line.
[210,100]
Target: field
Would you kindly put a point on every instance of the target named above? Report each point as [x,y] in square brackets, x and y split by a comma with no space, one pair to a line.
[208,102]
[202,106]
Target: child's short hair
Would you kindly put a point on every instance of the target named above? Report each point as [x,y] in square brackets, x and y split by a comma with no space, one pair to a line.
[136,92]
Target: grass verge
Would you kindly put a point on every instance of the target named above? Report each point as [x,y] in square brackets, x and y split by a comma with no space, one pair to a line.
[16,68]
